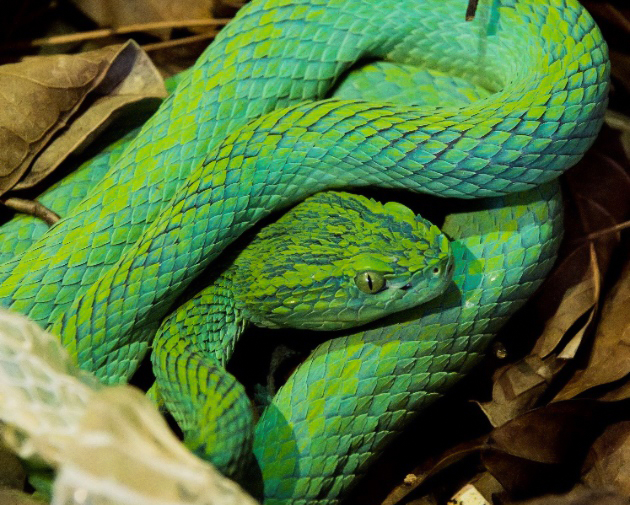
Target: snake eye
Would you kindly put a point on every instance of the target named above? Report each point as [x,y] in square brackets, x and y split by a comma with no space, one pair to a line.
[370,282]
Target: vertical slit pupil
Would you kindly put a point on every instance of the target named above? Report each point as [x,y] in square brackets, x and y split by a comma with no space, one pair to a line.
[369,279]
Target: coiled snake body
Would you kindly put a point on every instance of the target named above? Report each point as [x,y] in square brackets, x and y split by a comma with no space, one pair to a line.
[246,132]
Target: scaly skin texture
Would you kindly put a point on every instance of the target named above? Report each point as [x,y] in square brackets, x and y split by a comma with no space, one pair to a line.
[23,230]
[354,394]
[105,276]
[272,57]
[303,271]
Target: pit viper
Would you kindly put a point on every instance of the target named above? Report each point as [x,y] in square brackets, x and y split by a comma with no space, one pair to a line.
[248,131]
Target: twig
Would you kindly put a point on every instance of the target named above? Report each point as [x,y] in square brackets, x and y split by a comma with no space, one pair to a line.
[606,231]
[471,10]
[107,32]
[32,208]
[179,42]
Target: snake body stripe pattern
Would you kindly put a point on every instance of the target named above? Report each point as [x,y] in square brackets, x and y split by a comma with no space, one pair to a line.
[242,75]
[203,170]
[354,394]
[19,233]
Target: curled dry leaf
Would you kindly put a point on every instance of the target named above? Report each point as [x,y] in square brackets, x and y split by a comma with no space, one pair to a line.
[541,450]
[531,453]
[580,496]
[609,359]
[517,387]
[568,300]
[608,461]
[599,201]
[432,467]
[41,95]
[551,434]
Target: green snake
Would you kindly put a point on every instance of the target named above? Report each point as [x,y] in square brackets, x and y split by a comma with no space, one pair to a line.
[246,132]
[333,262]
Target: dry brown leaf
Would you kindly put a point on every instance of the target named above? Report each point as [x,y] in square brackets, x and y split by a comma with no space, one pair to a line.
[621,392]
[609,359]
[117,13]
[524,452]
[41,94]
[580,496]
[130,78]
[548,434]
[431,467]
[601,201]
[568,301]
[608,461]
[518,386]
[575,282]
[537,451]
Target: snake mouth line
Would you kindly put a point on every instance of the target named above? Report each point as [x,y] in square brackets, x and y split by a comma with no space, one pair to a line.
[410,286]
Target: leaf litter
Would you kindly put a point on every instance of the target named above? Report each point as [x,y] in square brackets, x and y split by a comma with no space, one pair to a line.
[54,106]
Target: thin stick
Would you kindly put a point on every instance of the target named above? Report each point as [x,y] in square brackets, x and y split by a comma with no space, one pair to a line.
[107,32]
[471,10]
[179,42]
[32,208]
[618,17]
[606,231]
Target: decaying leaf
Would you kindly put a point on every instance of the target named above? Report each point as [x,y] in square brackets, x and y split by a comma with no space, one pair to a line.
[580,496]
[608,461]
[431,467]
[609,359]
[549,434]
[542,449]
[533,453]
[600,199]
[518,386]
[41,95]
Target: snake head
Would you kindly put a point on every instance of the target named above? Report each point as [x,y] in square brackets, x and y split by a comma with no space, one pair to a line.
[339,260]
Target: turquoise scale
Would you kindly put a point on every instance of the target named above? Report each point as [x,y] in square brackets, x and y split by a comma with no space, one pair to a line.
[242,136]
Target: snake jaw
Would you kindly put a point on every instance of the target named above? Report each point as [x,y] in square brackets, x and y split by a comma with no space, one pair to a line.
[341,270]
[424,284]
